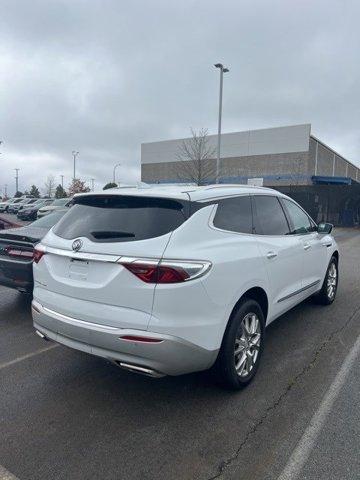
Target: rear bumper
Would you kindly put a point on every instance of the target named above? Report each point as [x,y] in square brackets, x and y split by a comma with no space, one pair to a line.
[15,274]
[170,356]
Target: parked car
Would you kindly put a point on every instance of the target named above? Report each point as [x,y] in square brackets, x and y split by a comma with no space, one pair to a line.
[5,204]
[17,250]
[166,281]
[29,212]
[13,203]
[58,204]
[5,224]
[20,205]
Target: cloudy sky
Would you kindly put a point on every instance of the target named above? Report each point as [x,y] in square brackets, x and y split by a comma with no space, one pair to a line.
[103,76]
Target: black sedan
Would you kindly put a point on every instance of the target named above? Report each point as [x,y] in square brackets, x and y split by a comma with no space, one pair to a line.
[29,212]
[17,248]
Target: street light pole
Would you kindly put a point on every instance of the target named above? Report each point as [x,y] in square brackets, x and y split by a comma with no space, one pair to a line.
[92,183]
[223,70]
[62,181]
[115,167]
[17,179]
[74,154]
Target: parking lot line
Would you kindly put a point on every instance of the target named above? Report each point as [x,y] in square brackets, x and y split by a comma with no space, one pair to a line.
[307,442]
[5,475]
[25,357]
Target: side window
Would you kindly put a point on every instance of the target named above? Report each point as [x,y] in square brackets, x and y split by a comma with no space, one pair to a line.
[234,214]
[270,218]
[300,222]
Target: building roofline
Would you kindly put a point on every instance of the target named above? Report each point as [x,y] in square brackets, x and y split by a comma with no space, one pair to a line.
[231,133]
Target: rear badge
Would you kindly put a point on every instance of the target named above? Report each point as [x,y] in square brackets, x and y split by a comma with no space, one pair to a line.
[77,244]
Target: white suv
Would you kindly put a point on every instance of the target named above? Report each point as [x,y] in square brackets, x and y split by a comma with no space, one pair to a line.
[170,280]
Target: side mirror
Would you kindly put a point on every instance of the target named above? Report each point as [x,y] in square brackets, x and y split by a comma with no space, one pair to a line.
[325,228]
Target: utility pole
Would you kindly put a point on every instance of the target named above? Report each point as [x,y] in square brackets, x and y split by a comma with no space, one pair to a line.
[222,71]
[62,181]
[5,190]
[75,154]
[17,179]
[92,184]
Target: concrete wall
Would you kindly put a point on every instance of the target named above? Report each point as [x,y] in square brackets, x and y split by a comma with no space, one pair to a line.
[282,156]
[330,163]
[239,144]
[276,169]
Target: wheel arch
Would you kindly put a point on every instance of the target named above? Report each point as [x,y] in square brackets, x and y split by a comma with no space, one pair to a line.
[255,293]
[336,255]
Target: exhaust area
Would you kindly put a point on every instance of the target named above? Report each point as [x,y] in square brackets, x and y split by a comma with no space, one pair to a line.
[149,372]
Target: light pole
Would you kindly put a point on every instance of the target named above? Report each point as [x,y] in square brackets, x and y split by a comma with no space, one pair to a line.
[223,70]
[92,183]
[115,167]
[17,179]
[75,154]
[62,181]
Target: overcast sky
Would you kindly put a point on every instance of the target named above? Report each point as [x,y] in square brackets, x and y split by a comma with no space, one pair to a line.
[103,76]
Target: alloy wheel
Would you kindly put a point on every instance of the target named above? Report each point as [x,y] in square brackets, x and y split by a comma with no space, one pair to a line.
[247,344]
[331,281]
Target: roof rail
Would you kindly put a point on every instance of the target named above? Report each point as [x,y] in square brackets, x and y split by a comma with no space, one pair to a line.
[233,185]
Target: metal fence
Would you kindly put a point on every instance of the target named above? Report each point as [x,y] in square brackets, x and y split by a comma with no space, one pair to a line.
[337,204]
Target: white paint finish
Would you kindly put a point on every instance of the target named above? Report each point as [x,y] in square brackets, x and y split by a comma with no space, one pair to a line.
[294,138]
[307,442]
[195,311]
[6,475]
[26,357]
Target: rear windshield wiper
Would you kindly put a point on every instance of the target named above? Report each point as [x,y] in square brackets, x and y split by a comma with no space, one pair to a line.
[104,234]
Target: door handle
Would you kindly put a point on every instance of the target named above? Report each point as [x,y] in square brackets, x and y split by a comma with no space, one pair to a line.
[307,246]
[271,255]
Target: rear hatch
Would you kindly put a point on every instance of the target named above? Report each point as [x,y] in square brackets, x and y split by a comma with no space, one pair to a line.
[84,248]
[16,254]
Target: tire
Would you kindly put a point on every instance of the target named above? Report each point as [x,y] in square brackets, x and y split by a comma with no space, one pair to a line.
[327,295]
[237,371]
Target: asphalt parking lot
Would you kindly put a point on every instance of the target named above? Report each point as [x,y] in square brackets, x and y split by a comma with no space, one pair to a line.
[68,415]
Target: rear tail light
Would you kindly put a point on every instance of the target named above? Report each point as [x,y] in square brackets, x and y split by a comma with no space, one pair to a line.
[165,271]
[38,254]
[19,253]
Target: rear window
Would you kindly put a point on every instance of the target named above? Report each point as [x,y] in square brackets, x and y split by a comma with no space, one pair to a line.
[121,218]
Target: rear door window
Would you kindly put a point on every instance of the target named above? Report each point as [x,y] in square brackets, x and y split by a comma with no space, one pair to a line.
[120,218]
[270,217]
[234,214]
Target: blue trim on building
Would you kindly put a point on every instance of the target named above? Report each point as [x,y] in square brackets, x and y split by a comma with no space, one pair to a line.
[325,180]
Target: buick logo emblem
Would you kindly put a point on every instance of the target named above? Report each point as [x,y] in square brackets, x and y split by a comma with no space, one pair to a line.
[77,244]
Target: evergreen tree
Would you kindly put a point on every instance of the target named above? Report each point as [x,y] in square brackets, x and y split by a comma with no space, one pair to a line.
[60,192]
[110,185]
[34,191]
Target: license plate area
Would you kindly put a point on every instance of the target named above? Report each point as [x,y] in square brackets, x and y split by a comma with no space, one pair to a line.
[78,269]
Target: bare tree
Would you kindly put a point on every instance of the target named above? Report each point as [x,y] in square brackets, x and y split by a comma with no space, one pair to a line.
[196,159]
[50,185]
